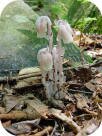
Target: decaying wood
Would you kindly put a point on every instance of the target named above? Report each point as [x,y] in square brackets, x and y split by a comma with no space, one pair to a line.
[16,78]
[68,120]
[25,73]
[28,82]
[36,81]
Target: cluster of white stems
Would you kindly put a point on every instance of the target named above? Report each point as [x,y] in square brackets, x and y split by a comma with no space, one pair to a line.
[51,58]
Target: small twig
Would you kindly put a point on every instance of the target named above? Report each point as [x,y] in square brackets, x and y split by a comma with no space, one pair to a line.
[57,113]
[78,91]
[54,129]
[15,115]
[47,130]
[81,116]
[90,112]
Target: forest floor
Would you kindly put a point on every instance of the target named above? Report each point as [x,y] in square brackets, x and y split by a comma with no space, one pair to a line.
[25,111]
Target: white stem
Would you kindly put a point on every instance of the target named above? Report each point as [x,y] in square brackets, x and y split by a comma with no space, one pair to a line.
[55,75]
[44,78]
[50,37]
[60,60]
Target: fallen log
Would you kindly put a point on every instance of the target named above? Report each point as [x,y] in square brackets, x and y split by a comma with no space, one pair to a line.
[17,78]
[29,77]
[28,83]
[24,73]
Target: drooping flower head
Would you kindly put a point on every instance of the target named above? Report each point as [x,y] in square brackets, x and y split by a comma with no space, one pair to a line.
[44,58]
[42,24]
[65,32]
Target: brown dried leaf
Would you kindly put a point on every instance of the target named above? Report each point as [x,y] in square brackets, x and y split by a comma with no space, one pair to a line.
[10,102]
[23,127]
[38,106]
[81,101]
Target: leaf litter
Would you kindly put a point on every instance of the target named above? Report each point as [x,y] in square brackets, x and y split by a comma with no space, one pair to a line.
[77,111]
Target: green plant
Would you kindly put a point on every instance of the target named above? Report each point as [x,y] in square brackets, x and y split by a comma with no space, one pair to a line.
[84,22]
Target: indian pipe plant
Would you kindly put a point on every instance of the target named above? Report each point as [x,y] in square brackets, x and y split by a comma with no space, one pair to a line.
[50,58]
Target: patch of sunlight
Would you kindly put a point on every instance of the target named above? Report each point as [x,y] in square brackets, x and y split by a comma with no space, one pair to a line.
[4,3]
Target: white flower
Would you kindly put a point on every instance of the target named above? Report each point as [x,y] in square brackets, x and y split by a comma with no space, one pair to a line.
[65,35]
[45,59]
[65,32]
[42,26]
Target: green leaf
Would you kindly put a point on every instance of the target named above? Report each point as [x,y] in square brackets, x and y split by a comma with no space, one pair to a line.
[73,53]
[83,1]
[32,36]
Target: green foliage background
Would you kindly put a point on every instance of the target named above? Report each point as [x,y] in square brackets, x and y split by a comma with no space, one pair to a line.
[80,14]
[18,39]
